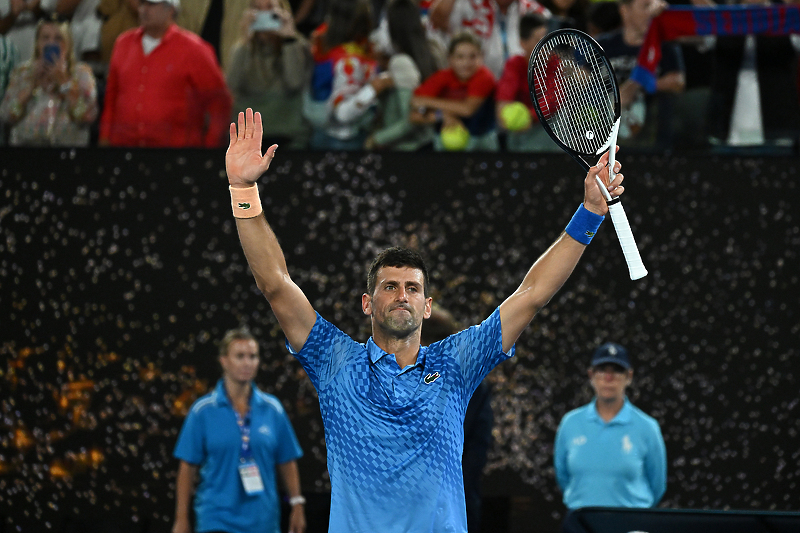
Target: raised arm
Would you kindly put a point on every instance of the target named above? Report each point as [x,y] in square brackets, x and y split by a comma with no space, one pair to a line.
[245,163]
[554,266]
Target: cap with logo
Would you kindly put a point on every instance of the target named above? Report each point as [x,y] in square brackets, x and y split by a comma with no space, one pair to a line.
[611,353]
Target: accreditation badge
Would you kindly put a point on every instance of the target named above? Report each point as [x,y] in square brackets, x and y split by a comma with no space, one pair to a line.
[251,478]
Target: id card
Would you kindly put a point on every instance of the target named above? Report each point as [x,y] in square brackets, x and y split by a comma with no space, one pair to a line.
[251,478]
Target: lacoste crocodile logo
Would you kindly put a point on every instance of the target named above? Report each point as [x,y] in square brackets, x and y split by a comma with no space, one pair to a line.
[244,205]
[430,378]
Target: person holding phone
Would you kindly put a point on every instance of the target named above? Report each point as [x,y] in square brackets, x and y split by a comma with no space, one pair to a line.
[51,100]
[269,68]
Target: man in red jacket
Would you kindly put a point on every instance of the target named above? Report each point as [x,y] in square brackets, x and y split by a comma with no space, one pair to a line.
[165,87]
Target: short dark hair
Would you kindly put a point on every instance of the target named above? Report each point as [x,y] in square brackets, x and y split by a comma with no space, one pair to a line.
[464,37]
[238,334]
[530,22]
[397,257]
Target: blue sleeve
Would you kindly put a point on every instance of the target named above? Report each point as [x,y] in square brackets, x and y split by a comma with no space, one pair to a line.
[656,463]
[191,440]
[288,448]
[478,350]
[325,352]
[560,458]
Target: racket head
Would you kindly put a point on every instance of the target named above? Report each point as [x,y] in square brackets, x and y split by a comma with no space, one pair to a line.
[575,93]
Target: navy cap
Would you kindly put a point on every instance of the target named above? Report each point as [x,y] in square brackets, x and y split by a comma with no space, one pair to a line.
[611,353]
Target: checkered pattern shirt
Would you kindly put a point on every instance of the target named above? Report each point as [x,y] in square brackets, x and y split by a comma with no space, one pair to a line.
[395,436]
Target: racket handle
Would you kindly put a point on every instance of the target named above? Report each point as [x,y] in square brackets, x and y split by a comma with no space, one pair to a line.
[626,240]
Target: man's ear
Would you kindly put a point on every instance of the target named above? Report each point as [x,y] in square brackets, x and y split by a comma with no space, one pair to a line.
[428,307]
[366,304]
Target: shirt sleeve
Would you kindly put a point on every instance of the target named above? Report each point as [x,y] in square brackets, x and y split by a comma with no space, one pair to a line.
[433,86]
[191,440]
[214,96]
[482,84]
[560,457]
[111,91]
[656,464]
[288,448]
[325,352]
[478,350]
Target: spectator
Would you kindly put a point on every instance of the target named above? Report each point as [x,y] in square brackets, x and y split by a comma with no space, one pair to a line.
[118,17]
[237,437]
[51,100]
[269,69]
[18,23]
[622,48]
[460,97]
[608,453]
[495,22]
[513,90]
[413,61]
[343,65]
[164,87]
[216,21]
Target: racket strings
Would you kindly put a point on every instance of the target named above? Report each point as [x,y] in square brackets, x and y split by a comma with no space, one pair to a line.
[575,92]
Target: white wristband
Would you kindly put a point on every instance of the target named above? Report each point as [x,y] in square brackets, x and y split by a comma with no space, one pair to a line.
[297,500]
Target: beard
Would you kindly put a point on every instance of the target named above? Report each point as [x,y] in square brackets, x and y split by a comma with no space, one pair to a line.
[399,325]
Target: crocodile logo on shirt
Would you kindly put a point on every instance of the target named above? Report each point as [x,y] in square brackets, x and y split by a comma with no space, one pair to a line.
[430,378]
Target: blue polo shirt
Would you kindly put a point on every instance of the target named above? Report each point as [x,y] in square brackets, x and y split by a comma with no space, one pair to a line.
[395,436]
[620,463]
[211,438]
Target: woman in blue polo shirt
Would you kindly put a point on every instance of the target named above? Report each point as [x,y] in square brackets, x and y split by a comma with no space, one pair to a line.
[237,437]
[609,453]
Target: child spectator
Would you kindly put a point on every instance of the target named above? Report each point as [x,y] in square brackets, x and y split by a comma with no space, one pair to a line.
[513,92]
[51,100]
[269,68]
[460,96]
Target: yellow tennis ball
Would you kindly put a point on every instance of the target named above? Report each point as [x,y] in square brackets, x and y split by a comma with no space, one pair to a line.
[516,116]
[454,138]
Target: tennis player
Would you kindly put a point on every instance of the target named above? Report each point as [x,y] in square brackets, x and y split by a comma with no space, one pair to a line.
[394,411]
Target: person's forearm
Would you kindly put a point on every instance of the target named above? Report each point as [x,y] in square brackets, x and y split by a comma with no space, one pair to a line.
[460,108]
[290,475]
[183,491]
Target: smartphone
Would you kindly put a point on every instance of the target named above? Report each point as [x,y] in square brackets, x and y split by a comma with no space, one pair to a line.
[51,53]
[266,21]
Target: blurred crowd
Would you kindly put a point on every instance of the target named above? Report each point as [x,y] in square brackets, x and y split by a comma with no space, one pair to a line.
[367,74]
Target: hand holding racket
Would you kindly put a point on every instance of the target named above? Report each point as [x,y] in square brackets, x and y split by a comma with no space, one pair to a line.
[576,97]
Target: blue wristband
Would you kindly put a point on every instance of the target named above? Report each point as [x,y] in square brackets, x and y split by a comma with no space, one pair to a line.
[583,225]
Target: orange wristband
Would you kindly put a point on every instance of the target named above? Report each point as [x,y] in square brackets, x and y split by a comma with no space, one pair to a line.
[245,202]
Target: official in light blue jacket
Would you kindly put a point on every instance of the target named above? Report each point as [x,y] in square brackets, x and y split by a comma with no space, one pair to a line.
[609,453]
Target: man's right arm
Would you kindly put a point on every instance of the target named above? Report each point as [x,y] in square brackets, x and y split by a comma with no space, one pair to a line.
[245,163]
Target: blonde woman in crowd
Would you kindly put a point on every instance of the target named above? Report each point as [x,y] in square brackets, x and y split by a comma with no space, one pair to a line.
[51,100]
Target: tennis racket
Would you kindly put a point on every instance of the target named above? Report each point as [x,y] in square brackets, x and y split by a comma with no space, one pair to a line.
[575,94]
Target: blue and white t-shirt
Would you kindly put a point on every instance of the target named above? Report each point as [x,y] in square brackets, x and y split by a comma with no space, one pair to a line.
[395,436]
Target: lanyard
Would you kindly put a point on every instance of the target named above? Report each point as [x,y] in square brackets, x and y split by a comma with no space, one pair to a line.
[243,423]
